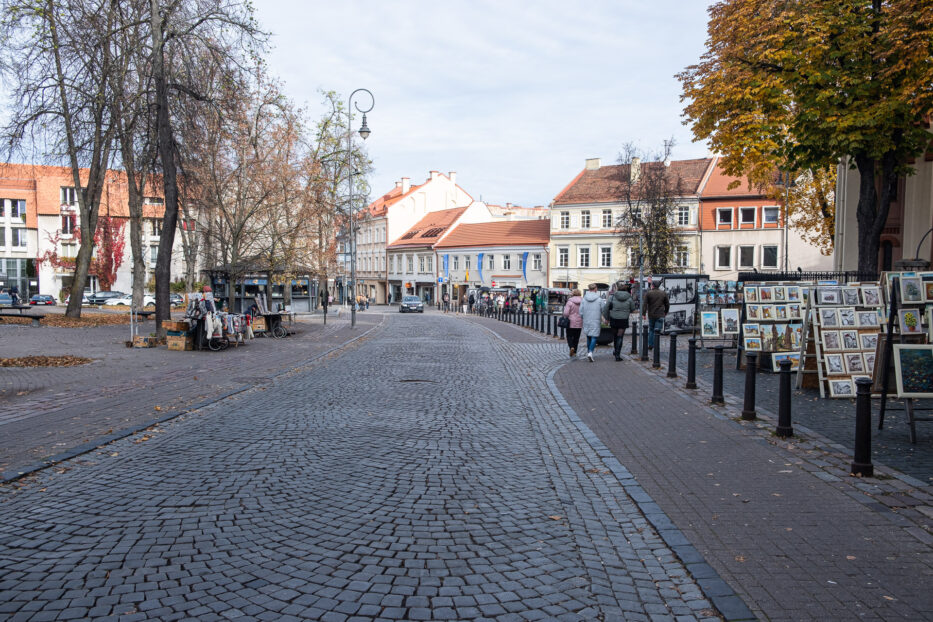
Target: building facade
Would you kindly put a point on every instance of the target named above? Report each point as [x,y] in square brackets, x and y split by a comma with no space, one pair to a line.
[412,260]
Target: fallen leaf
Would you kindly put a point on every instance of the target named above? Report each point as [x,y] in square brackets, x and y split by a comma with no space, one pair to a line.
[114,455]
[740,558]
[850,556]
[555,517]
[158,408]
[888,598]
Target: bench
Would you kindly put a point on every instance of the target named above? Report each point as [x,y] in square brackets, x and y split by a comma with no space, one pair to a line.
[20,308]
[36,317]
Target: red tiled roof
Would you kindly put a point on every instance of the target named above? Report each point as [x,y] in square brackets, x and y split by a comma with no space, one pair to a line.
[603,185]
[379,206]
[508,233]
[427,230]
[718,185]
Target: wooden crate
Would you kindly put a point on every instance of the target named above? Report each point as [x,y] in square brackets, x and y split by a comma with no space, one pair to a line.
[259,324]
[173,325]
[144,342]
[180,343]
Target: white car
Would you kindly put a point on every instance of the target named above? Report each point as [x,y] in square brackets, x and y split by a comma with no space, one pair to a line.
[127,301]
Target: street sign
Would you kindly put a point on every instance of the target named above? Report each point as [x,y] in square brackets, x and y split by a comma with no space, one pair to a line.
[493,283]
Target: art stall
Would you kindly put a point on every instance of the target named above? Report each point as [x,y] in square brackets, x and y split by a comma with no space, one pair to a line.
[720,309]
[772,321]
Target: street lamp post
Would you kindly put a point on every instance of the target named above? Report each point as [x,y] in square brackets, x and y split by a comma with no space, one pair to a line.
[364,133]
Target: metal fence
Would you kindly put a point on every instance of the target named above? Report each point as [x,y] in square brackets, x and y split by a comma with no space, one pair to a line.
[799,275]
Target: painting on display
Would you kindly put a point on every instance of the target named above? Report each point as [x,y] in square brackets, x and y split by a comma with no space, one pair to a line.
[909,321]
[753,344]
[751,294]
[868,341]
[793,311]
[911,289]
[871,296]
[796,334]
[866,318]
[781,339]
[847,316]
[828,296]
[793,357]
[855,364]
[850,296]
[831,340]
[913,370]
[764,294]
[841,388]
[777,293]
[752,312]
[767,312]
[849,339]
[926,281]
[730,321]
[835,365]
[751,330]
[793,293]
[709,324]
[829,318]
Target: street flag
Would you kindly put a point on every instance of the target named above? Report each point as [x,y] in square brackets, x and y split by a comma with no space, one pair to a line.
[446,266]
[479,266]
[525,265]
[467,277]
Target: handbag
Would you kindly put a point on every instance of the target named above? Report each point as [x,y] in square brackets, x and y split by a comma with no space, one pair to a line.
[563,321]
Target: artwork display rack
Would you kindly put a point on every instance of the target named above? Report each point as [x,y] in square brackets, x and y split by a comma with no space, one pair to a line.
[887,354]
[767,314]
[715,297]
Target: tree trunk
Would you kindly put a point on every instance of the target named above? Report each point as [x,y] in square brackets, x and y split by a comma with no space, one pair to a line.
[872,210]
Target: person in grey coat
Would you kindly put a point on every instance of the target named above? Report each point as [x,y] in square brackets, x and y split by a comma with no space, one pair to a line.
[618,308]
[591,310]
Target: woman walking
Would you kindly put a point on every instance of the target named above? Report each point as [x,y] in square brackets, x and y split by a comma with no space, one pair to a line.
[591,310]
[572,312]
[620,305]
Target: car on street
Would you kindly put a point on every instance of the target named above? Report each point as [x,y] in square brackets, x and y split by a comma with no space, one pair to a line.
[411,304]
[99,298]
[127,301]
[42,299]
[84,300]
[177,300]
[6,299]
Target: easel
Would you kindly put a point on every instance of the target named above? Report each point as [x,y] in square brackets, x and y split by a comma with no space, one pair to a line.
[810,318]
[886,359]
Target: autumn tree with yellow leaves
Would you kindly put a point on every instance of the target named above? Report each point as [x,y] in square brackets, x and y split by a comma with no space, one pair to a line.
[803,85]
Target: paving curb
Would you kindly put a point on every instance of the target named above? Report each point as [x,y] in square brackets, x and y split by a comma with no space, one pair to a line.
[723,597]
[120,434]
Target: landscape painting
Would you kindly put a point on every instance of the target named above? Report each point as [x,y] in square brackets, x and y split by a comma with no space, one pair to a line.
[913,369]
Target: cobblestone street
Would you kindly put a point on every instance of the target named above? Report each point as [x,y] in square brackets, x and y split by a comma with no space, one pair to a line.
[424,472]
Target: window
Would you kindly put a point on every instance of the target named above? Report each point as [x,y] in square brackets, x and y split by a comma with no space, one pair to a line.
[18,210]
[492,262]
[770,215]
[506,262]
[456,262]
[69,222]
[155,226]
[583,256]
[724,217]
[69,196]
[2,237]
[746,217]
[153,254]
[769,256]
[681,257]
[69,251]
[563,257]
[607,219]
[633,258]
[746,257]
[430,261]
[18,237]
[466,262]
[605,257]
[420,263]
[536,265]
[154,201]
[723,257]
[411,264]
[636,213]
[585,219]
[683,215]
[565,220]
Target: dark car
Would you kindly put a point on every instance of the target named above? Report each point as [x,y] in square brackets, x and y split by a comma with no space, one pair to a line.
[42,299]
[100,298]
[177,300]
[411,304]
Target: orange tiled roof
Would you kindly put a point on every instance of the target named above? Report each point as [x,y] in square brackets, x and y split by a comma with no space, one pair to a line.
[602,185]
[718,185]
[508,233]
[393,196]
[429,229]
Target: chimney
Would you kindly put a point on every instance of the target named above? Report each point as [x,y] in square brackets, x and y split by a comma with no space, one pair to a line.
[398,184]
[592,164]
[453,176]
[434,175]
[635,169]
[508,206]
[406,185]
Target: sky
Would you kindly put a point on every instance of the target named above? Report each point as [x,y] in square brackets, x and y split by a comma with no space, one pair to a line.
[512,95]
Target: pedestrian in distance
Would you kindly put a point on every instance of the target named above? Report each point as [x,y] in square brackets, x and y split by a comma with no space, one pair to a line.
[618,308]
[591,310]
[657,306]
[446,299]
[572,313]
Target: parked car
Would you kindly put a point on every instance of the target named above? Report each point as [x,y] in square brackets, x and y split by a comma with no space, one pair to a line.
[84,300]
[177,300]
[411,304]
[127,301]
[5,299]
[42,299]
[100,298]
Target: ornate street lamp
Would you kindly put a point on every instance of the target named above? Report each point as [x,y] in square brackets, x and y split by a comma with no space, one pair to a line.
[364,133]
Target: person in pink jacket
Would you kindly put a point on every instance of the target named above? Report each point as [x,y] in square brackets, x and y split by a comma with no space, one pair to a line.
[572,312]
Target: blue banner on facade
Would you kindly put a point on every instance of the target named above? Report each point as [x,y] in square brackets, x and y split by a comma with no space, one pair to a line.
[446,266]
[525,265]
[479,266]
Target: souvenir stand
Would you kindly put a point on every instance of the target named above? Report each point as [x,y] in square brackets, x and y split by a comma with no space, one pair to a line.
[719,311]
[772,322]
[842,331]
[906,348]
[211,328]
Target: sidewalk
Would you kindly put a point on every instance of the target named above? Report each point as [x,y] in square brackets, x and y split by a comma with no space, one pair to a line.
[780,521]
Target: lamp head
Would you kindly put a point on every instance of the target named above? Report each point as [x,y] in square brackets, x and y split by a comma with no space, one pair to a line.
[364,130]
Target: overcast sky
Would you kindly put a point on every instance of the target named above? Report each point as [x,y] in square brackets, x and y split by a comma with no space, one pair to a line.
[513,96]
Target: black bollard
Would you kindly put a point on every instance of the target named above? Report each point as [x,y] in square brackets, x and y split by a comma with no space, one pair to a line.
[784,427]
[634,338]
[672,357]
[861,463]
[717,376]
[644,341]
[547,321]
[751,371]
[656,363]
[691,364]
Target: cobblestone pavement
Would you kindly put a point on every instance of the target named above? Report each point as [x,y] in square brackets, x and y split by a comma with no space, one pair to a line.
[426,472]
[55,411]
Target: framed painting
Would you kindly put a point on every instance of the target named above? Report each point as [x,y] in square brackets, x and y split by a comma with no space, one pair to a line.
[871,296]
[793,293]
[911,289]
[777,292]
[928,291]
[730,321]
[870,364]
[751,294]
[834,365]
[829,318]
[841,388]
[909,321]
[828,296]
[751,311]
[849,339]
[793,357]
[709,324]
[796,334]
[780,312]
[765,294]
[753,344]
[831,340]
[793,311]
[855,364]
[850,296]
[828,282]
[868,341]
[847,317]
[751,330]
[866,319]
[913,369]
[767,312]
